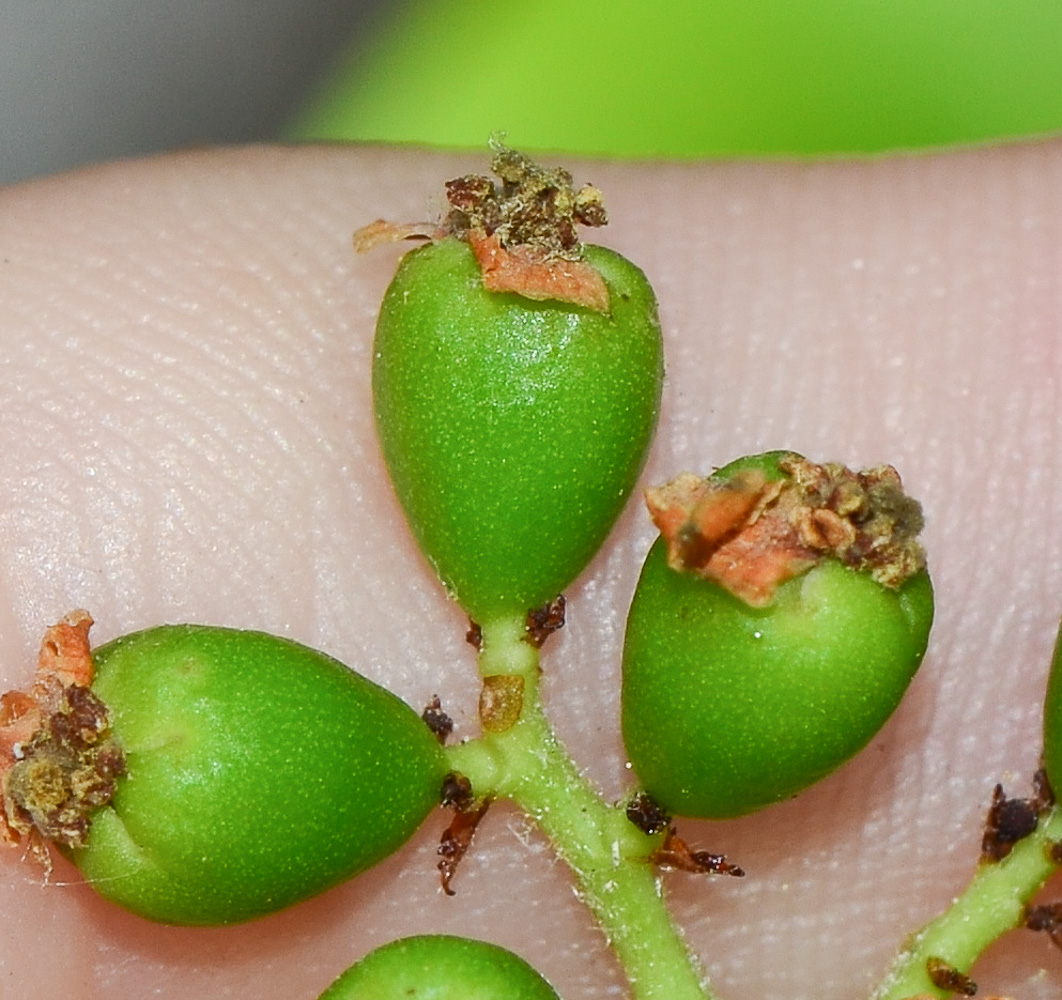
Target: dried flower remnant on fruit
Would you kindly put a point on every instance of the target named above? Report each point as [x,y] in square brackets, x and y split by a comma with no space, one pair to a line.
[64,659]
[1010,820]
[58,759]
[523,233]
[534,207]
[66,771]
[945,976]
[750,532]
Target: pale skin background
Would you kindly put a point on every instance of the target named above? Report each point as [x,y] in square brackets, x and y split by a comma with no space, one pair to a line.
[186,434]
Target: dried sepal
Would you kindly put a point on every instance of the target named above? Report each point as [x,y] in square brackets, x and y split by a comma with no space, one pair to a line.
[529,271]
[441,725]
[677,855]
[456,839]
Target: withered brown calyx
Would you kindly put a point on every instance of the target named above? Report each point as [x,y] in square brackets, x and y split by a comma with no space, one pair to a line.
[59,761]
[523,231]
[750,532]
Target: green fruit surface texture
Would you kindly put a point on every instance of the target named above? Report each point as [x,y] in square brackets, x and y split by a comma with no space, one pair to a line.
[440,967]
[1053,718]
[728,708]
[513,430]
[259,773]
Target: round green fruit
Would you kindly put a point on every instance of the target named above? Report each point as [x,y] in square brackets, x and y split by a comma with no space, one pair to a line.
[728,708]
[258,773]
[513,430]
[439,967]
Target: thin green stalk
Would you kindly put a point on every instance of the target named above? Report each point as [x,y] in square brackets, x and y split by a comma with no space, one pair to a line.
[608,855]
[993,903]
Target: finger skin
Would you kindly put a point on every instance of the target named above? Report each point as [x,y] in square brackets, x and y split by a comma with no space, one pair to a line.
[185,346]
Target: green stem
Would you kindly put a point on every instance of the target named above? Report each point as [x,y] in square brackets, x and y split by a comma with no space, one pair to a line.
[608,855]
[993,903]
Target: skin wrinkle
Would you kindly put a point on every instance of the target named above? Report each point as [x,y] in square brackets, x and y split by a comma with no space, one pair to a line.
[775,339]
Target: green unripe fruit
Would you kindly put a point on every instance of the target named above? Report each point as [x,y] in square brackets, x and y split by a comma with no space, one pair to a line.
[729,707]
[513,430]
[1053,719]
[259,773]
[439,967]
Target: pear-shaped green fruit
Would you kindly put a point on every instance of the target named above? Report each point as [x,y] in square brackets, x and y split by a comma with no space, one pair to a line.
[513,430]
[729,707]
[440,967]
[258,773]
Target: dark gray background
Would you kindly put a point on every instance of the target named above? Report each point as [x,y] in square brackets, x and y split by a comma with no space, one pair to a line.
[88,80]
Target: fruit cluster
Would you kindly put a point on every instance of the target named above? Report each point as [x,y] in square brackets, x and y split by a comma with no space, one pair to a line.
[201,775]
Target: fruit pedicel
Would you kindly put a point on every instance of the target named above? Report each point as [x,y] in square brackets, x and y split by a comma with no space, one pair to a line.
[777,623]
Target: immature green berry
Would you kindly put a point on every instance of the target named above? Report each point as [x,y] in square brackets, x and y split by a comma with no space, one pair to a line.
[440,967]
[1053,719]
[514,424]
[775,627]
[258,773]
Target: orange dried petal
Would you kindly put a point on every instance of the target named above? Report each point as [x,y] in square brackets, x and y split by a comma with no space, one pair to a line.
[530,272]
[381,231]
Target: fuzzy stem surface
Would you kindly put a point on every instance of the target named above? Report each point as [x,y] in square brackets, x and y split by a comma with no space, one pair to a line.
[993,903]
[608,855]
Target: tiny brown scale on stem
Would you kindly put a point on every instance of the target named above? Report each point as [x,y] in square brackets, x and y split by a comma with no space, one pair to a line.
[1010,820]
[437,720]
[544,621]
[676,855]
[647,815]
[456,839]
[926,996]
[1047,918]
[945,976]
[474,635]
